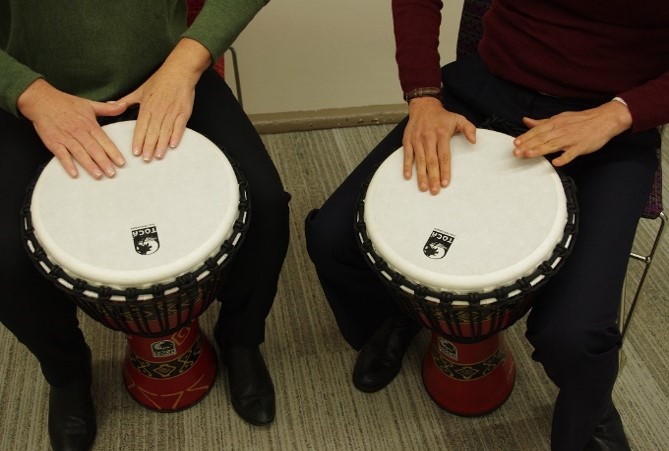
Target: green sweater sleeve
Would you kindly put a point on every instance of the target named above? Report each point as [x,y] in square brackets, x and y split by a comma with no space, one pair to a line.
[14,80]
[220,22]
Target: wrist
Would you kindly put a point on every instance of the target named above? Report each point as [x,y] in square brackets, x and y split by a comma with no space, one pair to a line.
[31,96]
[620,111]
[419,93]
[189,56]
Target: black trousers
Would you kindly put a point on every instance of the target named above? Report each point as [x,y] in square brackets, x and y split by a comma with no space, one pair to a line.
[572,324]
[44,319]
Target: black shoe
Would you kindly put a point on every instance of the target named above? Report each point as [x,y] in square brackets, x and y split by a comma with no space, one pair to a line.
[609,434]
[249,382]
[380,359]
[72,424]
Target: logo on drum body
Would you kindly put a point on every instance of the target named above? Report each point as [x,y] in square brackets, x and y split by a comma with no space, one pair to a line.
[163,348]
[438,244]
[146,239]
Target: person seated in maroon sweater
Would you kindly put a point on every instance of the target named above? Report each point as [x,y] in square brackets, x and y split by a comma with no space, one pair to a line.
[588,82]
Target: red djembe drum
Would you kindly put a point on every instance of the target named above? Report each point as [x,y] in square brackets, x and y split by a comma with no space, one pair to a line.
[466,262]
[144,253]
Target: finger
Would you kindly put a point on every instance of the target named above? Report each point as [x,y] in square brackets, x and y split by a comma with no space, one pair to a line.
[109,109]
[139,133]
[150,140]
[179,129]
[84,159]
[421,170]
[407,165]
[164,137]
[432,164]
[96,153]
[531,123]
[445,162]
[469,130]
[65,159]
[108,146]
[133,98]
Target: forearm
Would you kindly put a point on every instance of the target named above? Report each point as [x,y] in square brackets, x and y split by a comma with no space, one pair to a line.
[416,26]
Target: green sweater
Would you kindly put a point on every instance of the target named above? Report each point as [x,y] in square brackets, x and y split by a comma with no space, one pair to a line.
[103,49]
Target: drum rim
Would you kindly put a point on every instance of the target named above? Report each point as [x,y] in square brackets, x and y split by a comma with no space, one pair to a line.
[83,289]
[522,286]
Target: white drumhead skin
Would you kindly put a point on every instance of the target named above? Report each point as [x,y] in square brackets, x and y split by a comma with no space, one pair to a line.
[500,215]
[92,228]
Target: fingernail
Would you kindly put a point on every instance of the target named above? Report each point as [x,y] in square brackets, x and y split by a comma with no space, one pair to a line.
[444,183]
[111,173]
[136,151]
[120,161]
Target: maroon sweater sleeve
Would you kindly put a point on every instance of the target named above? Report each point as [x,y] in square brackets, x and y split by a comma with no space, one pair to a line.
[649,103]
[416,25]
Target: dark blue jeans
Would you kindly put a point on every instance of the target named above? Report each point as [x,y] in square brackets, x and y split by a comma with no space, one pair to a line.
[41,316]
[572,324]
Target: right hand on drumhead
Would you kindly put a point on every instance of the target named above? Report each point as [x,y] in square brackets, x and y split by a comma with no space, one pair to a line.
[67,126]
[427,142]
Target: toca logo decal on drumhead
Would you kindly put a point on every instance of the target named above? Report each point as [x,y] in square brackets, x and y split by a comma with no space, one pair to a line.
[146,239]
[437,244]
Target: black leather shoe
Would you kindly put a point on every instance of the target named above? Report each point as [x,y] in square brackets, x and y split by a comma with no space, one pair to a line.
[609,434]
[249,382]
[380,359]
[72,424]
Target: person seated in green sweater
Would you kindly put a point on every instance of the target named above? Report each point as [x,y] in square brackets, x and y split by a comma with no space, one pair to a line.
[66,68]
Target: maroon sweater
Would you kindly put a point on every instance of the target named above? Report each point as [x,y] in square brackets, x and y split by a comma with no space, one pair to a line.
[590,49]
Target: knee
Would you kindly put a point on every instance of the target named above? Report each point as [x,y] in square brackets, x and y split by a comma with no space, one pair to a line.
[321,236]
[574,348]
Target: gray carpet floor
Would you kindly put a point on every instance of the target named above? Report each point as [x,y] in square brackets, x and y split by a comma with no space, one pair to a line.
[317,407]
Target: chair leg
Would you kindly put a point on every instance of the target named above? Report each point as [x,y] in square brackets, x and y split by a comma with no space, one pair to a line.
[647,260]
[235,67]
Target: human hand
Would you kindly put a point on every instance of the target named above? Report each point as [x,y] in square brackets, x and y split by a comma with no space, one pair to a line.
[166,100]
[67,126]
[427,142]
[574,133]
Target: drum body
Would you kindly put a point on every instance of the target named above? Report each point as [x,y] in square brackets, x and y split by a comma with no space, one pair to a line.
[467,262]
[144,253]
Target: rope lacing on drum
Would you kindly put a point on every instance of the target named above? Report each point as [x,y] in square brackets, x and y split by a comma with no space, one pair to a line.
[131,294]
[78,285]
[105,292]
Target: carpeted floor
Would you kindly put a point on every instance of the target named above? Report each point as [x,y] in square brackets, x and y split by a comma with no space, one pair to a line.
[317,407]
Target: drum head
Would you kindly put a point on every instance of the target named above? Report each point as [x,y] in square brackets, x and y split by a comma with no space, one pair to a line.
[149,224]
[499,218]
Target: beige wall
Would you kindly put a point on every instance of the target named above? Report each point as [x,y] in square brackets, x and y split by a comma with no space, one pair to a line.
[301,55]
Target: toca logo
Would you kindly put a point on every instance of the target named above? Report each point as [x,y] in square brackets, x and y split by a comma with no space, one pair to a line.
[146,239]
[163,348]
[438,244]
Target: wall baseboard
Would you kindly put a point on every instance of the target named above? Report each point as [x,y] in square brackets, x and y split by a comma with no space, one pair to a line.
[293,121]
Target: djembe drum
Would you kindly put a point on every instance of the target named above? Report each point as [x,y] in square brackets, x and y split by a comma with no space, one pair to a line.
[467,262]
[144,253]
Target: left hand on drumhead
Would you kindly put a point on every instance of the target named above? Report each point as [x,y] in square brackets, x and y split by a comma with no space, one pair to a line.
[166,100]
[574,133]
[427,142]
